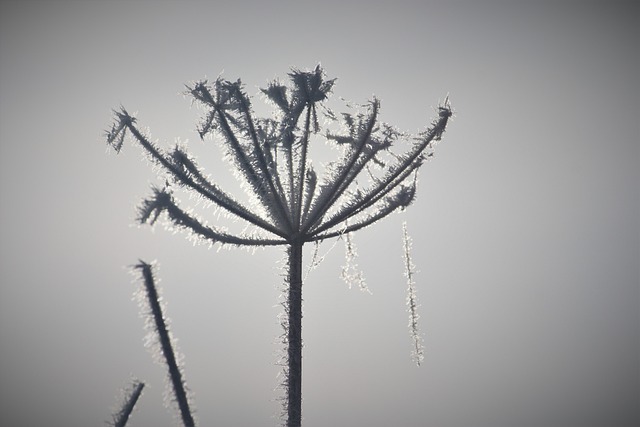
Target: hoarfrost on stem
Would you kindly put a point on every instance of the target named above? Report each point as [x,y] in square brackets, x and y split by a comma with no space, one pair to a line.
[290,202]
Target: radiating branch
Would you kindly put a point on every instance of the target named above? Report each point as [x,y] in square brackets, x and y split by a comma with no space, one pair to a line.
[250,162]
[401,199]
[211,193]
[367,198]
[273,180]
[345,174]
[302,171]
[397,173]
[162,201]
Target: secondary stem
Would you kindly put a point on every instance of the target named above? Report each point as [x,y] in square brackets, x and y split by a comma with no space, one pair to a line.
[179,390]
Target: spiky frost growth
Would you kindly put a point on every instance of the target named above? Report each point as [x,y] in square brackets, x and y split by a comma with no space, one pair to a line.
[159,325]
[293,306]
[270,157]
[290,202]
[351,273]
[412,298]
[128,404]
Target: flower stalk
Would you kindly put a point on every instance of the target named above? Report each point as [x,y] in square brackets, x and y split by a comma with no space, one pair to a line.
[293,204]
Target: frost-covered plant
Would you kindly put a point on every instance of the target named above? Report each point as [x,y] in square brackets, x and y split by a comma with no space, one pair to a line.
[292,202]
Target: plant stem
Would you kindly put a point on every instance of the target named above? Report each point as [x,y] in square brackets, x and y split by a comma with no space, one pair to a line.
[175,375]
[121,418]
[294,337]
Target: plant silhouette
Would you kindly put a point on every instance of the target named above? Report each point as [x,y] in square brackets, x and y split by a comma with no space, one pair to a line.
[291,202]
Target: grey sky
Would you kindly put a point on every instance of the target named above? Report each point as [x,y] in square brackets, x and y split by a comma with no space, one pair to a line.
[526,229]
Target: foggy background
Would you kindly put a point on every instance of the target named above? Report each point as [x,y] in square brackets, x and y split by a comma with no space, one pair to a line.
[526,228]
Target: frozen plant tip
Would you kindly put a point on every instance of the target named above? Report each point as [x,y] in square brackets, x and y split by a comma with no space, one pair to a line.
[175,374]
[120,419]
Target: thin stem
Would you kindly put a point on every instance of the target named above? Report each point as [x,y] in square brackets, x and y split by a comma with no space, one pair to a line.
[272,179]
[182,219]
[384,211]
[396,175]
[289,167]
[302,170]
[367,200]
[165,342]
[294,337]
[253,177]
[121,418]
[340,184]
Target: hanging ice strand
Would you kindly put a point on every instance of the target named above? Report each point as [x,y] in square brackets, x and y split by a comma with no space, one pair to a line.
[412,299]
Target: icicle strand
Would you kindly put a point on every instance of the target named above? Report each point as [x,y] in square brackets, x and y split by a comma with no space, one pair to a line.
[412,299]
[351,273]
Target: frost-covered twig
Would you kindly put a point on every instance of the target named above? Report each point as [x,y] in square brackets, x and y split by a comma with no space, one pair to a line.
[175,374]
[122,416]
[412,298]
